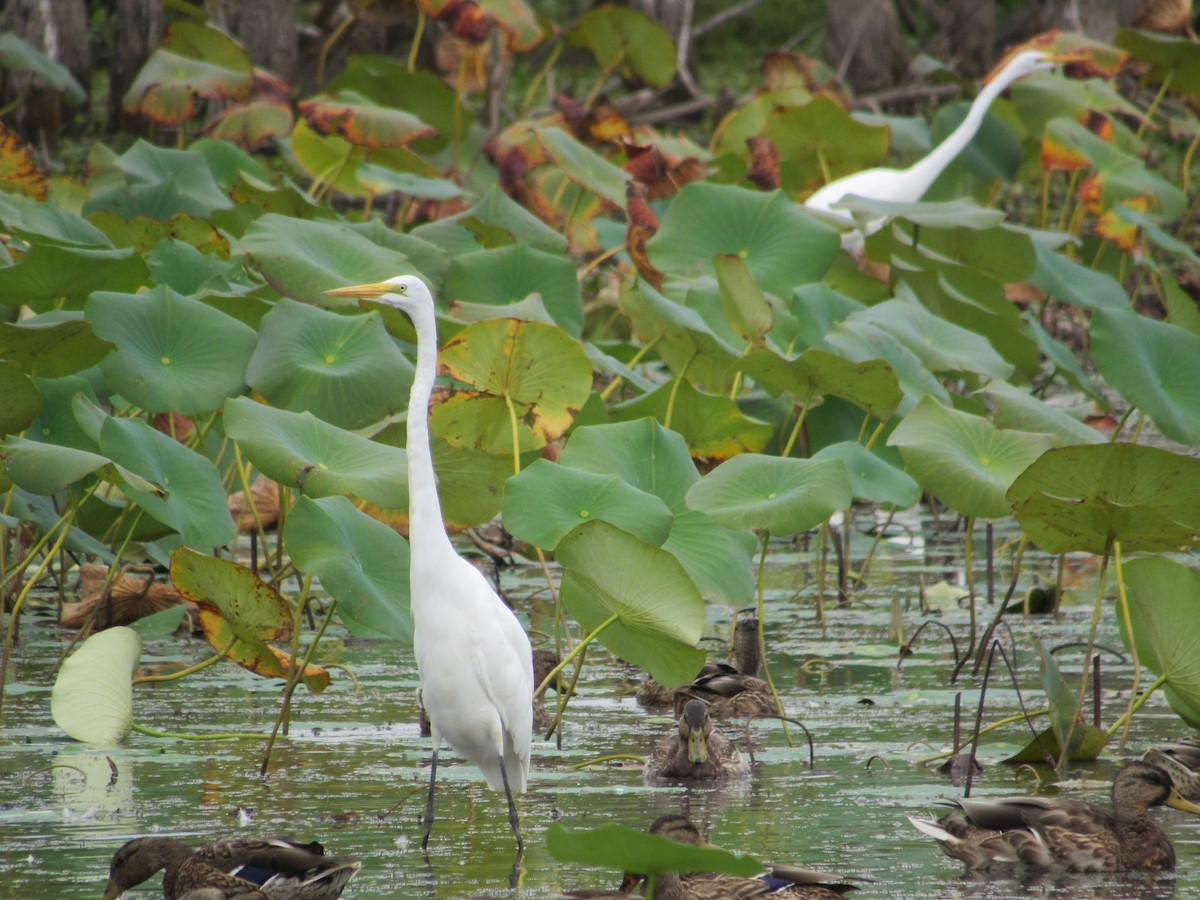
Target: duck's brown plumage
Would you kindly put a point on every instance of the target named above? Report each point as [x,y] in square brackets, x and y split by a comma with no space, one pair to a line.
[696,751]
[783,881]
[1063,834]
[232,869]
[1181,761]
[728,691]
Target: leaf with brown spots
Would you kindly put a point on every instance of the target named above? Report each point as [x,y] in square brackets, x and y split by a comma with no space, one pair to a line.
[1125,235]
[351,116]
[193,61]
[238,610]
[18,171]
[524,380]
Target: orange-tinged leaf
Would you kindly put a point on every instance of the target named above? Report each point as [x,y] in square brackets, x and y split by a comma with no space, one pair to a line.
[606,125]
[193,61]
[254,125]
[1091,192]
[1126,236]
[18,171]
[1170,16]
[315,678]
[1058,156]
[358,120]
[256,656]
[474,20]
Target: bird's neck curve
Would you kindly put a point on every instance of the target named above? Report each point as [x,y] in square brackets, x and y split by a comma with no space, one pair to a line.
[923,173]
[426,531]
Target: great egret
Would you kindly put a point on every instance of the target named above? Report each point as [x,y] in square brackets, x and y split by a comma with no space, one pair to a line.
[232,867]
[909,185]
[697,752]
[473,657]
[1057,834]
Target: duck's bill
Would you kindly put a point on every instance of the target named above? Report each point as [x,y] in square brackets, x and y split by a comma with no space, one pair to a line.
[364,291]
[1176,800]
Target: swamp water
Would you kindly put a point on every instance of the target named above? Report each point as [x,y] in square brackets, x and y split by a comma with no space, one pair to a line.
[354,770]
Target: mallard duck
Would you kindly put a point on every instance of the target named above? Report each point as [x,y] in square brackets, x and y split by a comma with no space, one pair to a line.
[782,881]
[737,694]
[1064,835]
[544,662]
[1180,760]
[729,691]
[696,751]
[232,869]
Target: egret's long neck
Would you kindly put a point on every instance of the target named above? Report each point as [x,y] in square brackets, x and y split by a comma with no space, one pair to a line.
[924,172]
[426,533]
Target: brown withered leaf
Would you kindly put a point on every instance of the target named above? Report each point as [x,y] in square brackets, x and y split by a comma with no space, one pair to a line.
[782,69]
[661,173]
[1023,293]
[361,122]
[175,425]
[265,495]
[19,172]
[606,124]
[764,162]
[130,598]
[641,225]
[462,63]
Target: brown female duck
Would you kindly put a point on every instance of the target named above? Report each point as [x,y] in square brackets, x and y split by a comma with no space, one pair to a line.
[782,881]
[1180,760]
[1062,834]
[696,752]
[232,869]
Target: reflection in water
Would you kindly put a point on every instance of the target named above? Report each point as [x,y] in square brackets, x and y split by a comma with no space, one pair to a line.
[1131,886]
[353,772]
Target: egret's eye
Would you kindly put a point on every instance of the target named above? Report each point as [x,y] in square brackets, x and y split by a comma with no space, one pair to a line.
[404,288]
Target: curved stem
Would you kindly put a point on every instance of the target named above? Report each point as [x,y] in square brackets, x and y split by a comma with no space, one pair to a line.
[762,565]
[183,673]
[416,43]
[579,648]
[1123,606]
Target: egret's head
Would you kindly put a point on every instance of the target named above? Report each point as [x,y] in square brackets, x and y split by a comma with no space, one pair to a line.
[1017,66]
[405,292]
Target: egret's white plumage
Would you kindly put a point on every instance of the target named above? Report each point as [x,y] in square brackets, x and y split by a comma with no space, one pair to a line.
[909,185]
[473,655]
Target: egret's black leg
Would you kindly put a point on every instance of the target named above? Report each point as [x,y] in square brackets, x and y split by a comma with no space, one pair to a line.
[513,819]
[429,802]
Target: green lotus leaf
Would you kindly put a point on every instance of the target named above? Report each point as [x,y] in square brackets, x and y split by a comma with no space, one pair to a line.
[92,699]
[782,245]
[872,479]
[302,258]
[1164,610]
[713,425]
[870,385]
[624,849]
[585,166]
[508,275]
[192,500]
[165,360]
[302,451]
[47,276]
[343,369]
[655,460]
[362,564]
[1083,497]
[546,501]
[626,40]
[964,460]
[654,613]
[1155,366]
[769,493]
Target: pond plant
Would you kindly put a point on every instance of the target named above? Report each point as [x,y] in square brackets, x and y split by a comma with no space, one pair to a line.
[655,360]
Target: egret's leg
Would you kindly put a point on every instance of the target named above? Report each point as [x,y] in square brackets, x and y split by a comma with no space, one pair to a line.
[429,801]
[513,819]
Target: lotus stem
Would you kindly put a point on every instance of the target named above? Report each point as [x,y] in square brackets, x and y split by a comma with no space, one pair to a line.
[762,566]
[1091,643]
[1123,607]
